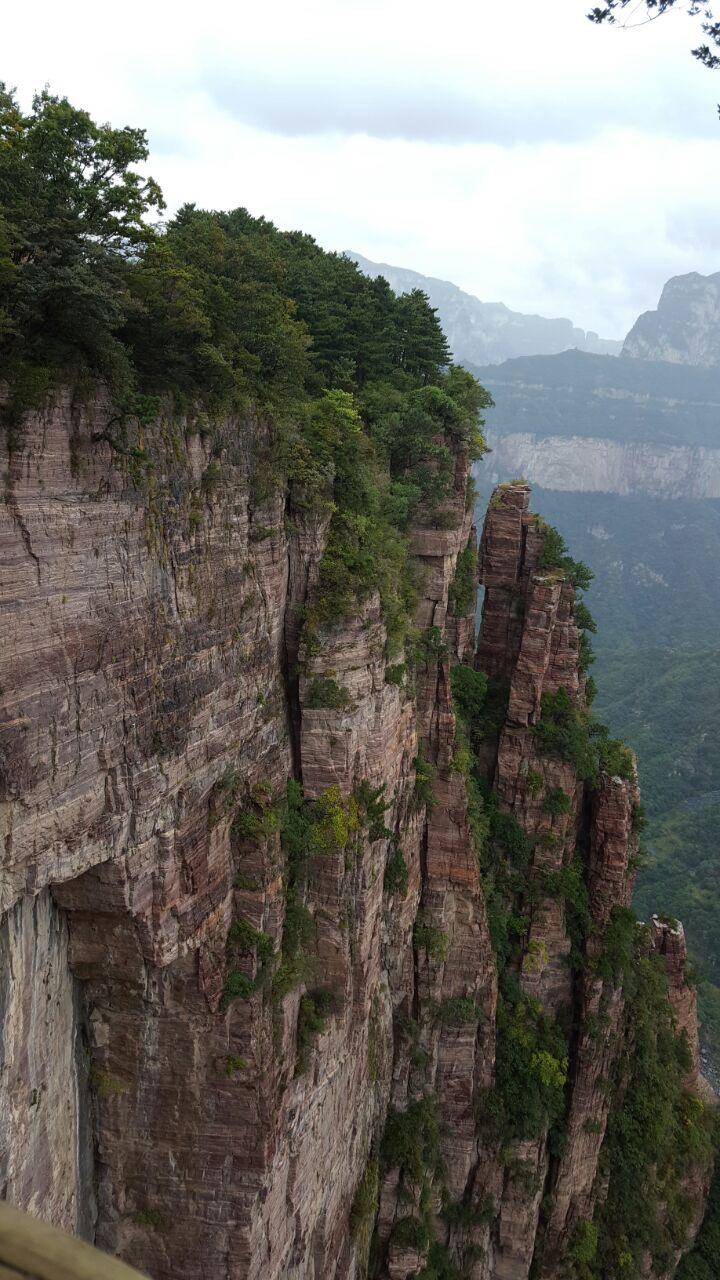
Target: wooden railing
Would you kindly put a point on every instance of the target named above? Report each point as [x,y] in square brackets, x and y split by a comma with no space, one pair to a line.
[33,1250]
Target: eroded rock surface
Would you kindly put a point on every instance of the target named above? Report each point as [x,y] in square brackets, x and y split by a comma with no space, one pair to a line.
[159,690]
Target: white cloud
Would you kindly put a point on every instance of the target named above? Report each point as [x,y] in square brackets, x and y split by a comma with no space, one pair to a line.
[514,149]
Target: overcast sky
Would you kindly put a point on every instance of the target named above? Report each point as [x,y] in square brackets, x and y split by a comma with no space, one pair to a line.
[540,161]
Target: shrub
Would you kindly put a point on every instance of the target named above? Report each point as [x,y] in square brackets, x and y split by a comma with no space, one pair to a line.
[299,927]
[440,1265]
[534,782]
[396,874]
[429,648]
[433,941]
[553,555]
[396,674]
[614,756]
[583,1247]
[531,1067]
[372,805]
[618,945]
[243,939]
[463,588]
[149,1218]
[654,1138]
[363,1213]
[586,657]
[254,823]
[701,1262]
[424,777]
[469,690]
[315,1007]
[506,838]
[259,533]
[556,802]
[459,1011]
[563,730]
[323,692]
[583,617]
[104,1084]
[236,986]
[639,818]
[411,1233]
[494,713]
[411,1141]
[567,884]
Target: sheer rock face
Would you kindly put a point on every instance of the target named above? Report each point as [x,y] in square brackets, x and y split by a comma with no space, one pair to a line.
[157,686]
[46,1153]
[685,328]
[668,939]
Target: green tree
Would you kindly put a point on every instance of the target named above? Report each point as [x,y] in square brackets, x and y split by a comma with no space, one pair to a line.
[72,213]
[653,9]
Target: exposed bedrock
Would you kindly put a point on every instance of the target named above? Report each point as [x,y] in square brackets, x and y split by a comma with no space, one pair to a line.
[220,1060]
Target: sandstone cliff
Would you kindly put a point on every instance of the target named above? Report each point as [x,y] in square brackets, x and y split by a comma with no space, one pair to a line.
[315,964]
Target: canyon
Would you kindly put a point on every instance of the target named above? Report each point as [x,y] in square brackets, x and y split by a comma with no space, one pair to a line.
[316,964]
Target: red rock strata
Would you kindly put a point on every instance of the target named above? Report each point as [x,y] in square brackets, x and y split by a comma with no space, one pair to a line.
[156,683]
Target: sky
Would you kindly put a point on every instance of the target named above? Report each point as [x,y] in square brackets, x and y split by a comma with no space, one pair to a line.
[511,147]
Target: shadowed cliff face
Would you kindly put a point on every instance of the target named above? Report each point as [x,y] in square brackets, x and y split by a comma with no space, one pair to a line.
[283,1020]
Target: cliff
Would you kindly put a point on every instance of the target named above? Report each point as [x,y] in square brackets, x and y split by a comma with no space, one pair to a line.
[577,464]
[317,962]
[685,328]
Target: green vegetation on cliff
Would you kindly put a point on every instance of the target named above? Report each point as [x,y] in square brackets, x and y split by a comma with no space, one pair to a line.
[216,314]
[659,1134]
[656,597]
[666,705]
[655,1137]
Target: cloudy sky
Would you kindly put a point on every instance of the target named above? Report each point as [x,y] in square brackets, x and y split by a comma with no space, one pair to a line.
[510,147]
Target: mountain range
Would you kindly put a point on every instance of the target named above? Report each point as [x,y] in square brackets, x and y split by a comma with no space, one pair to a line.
[487,332]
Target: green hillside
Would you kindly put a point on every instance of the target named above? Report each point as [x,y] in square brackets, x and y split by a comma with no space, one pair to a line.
[610,398]
[666,703]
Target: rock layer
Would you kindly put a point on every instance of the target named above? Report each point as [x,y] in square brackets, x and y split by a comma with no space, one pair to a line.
[159,691]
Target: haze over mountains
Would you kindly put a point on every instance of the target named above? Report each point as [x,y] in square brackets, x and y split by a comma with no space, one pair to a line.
[487,332]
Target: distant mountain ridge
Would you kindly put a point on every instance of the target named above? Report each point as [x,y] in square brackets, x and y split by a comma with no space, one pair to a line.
[487,332]
[685,327]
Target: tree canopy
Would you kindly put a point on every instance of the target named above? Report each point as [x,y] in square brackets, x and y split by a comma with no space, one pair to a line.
[213,307]
[72,214]
[708,53]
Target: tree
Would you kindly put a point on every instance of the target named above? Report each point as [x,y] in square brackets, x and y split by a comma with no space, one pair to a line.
[72,213]
[654,9]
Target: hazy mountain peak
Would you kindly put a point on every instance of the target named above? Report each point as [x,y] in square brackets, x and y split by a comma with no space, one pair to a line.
[685,327]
